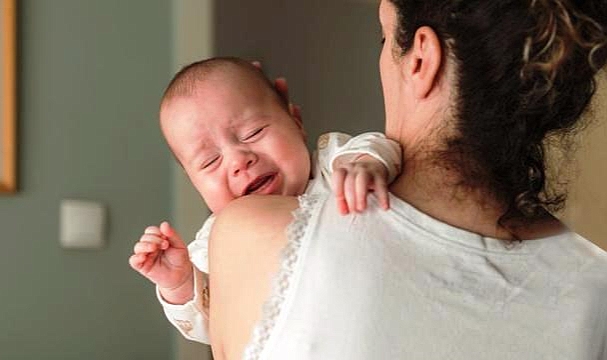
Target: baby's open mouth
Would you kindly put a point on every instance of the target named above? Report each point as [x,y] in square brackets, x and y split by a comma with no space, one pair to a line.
[259,184]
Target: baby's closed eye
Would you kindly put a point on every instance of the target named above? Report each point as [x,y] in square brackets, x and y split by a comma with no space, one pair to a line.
[253,135]
[209,162]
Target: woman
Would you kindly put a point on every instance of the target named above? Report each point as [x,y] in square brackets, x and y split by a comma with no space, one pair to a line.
[469,263]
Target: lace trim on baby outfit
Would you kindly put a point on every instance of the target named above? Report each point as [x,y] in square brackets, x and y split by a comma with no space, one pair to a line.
[288,260]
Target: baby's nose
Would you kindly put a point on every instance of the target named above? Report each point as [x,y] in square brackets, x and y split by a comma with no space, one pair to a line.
[242,161]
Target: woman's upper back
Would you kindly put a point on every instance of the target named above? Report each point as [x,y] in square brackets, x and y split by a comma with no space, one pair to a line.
[399,284]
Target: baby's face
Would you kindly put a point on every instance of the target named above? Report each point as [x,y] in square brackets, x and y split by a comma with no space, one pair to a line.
[234,141]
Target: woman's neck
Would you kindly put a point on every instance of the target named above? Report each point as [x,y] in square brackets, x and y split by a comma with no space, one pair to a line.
[433,191]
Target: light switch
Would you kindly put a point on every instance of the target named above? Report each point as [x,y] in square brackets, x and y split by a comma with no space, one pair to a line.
[82,224]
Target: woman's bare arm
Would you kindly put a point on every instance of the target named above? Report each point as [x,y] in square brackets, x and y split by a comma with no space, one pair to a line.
[244,251]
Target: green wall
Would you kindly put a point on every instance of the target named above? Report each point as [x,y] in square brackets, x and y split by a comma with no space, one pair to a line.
[90,76]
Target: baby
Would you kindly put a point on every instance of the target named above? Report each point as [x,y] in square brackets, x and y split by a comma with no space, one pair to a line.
[235,135]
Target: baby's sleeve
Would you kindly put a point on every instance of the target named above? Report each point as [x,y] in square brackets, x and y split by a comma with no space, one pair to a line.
[375,144]
[191,318]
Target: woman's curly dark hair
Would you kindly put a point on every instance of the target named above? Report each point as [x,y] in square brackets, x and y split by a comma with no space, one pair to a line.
[525,73]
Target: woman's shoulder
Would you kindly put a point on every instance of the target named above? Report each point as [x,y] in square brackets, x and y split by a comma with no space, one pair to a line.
[583,262]
[583,248]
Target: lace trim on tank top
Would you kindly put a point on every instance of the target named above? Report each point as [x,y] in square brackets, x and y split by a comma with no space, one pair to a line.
[288,260]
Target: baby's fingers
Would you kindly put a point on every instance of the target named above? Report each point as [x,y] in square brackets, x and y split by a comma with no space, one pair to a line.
[152,230]
[363,185]
[339,176]
[137,260]
[159,239]
[381,191]
[146,247]
[350,191]
[171,236]
[142,263]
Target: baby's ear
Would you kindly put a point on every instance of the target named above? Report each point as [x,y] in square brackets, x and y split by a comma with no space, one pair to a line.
[295,111]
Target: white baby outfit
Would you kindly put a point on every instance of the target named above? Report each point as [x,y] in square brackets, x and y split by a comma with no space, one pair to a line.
[191,319]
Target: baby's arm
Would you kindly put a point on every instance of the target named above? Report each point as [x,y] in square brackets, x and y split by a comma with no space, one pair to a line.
[161,256]
[192,318]
[358,165]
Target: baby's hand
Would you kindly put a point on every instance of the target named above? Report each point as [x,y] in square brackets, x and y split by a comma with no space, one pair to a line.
[161,256]
[354,177]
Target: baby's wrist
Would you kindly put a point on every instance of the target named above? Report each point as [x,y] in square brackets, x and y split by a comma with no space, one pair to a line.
[179,294]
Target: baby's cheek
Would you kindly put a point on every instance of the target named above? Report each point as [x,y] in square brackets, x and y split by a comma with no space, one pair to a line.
[300,176]
[215,194]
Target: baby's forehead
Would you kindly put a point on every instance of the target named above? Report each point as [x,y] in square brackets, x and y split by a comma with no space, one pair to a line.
[232,90]
[227,109]
[238,76]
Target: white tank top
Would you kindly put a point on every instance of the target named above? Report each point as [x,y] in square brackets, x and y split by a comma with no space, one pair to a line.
[399,284]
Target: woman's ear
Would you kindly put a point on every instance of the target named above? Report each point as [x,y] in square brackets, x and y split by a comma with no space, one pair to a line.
[426,59]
